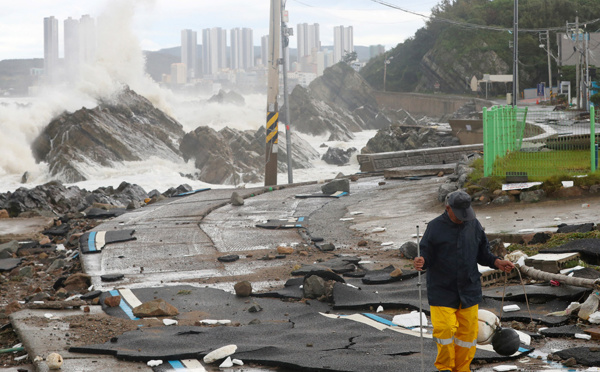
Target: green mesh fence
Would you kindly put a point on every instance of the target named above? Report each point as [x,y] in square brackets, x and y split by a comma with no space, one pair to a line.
[538,142]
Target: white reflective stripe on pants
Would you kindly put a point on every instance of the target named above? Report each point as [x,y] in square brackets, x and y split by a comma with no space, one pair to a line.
[462,343]
[443,341]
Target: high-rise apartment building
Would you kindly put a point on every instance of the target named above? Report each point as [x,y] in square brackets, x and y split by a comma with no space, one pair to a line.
[188,52]
[309,40]
[343,42]
[87,39]
[51,47]
[71,46]
[242,49]
[214,50]
[264,50]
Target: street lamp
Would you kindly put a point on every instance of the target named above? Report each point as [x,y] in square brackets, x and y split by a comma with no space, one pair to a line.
[387,62]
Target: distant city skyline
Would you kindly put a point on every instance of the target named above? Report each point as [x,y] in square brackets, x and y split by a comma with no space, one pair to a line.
[158,23]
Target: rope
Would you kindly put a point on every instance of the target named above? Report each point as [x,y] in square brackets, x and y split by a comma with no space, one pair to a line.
[504,292]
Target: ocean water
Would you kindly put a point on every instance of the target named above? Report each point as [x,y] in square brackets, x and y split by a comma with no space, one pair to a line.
[22,119]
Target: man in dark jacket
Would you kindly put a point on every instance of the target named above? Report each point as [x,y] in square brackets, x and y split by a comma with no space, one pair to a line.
[452,246]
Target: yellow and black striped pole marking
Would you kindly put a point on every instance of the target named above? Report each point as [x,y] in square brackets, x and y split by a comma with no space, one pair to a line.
[271,149]
[272,129]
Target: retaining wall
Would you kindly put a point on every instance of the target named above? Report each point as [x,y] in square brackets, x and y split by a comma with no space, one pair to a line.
[439,155]
[427,104]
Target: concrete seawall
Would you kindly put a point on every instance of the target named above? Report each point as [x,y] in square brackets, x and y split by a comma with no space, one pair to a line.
[439,155]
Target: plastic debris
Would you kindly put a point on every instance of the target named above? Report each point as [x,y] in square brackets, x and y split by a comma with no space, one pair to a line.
[572,307]
[356,213]
[378,229]
[595,318]
[347,219]
[590,305]
[571,269]
[554,283]
[154,363]
[237,362]
[48,316]
[509,308]
[583,336]
[380,309]
[567,184]
[410,320]
[385,244]
[169,322]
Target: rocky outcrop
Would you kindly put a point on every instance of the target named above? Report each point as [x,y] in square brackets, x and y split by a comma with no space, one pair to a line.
[232,157]
[230,97]
[338,103]
[55,199]
[337,156]
[401,138]
[125,128]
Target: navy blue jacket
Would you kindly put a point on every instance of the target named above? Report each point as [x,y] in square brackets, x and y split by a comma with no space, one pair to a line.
[451,252]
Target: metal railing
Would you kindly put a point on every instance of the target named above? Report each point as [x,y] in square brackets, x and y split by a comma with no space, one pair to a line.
[538,143]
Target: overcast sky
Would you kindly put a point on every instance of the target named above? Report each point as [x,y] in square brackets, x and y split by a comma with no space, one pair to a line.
[158,23]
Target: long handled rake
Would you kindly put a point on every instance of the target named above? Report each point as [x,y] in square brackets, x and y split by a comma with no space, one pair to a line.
[420,303]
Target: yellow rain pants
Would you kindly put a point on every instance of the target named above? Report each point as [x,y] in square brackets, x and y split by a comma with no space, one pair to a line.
[455,333]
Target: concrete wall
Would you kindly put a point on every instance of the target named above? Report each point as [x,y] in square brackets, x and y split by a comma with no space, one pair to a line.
[427,104]
[439,155]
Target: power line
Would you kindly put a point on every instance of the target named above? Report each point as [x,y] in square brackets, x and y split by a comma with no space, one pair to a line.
[473,25]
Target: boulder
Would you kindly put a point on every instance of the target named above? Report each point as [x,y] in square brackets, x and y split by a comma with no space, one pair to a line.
[408,250]
[243,288]
[236,199]
[337,156]
[335,186]
[158,307]
[532,196]
[314,287]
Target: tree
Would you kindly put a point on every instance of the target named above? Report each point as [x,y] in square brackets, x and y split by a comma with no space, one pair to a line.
[349,57]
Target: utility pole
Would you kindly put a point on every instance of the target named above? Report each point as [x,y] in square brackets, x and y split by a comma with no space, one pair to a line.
[547,35]
[577,89]
[272,92]
[285,34]
[515,91]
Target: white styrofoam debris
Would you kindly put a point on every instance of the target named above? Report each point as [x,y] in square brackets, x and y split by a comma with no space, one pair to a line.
[487,217]
[227,363]
[347,219]
[48,316]
[19,358]
[583,336]
[524,337]
[209,321]
[219,353]
[509,308]
[385,244]
[567,183]
[505,367]
[410,320]
[223,321]
[594,318]
[379,309]
[169,322]
[556,218]
[60,247]
[237,362]
[356,213]
[154,363]
[541,329]
[378,229]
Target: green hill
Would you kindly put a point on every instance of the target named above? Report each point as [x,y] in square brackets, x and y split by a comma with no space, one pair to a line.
[465,38]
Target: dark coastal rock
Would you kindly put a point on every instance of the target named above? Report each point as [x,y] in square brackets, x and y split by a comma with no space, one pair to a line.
[337,156]
[230,97]
[126,127]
